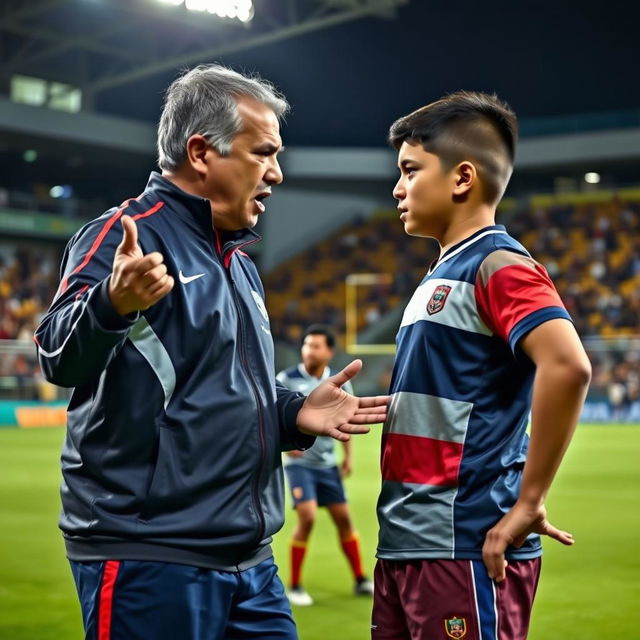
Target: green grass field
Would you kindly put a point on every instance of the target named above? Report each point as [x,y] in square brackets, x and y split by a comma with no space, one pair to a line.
[588,592]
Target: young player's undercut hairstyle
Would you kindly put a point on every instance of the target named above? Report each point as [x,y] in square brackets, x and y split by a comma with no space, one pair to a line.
[320,330]
[465,125]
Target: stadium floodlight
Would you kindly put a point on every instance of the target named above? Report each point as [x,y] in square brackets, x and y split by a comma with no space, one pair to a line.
[592,177]
[242,10]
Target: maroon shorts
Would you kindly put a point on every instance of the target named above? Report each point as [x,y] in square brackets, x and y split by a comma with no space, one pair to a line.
[442,599]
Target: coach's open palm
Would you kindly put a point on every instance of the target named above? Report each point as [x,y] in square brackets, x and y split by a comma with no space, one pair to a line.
[137,281]
[331,411]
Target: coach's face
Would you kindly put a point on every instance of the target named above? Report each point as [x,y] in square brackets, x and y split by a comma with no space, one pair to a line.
[423,192]
[238,183]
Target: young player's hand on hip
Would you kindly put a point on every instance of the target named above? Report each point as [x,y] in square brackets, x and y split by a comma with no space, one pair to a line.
[137,281]
[512,530]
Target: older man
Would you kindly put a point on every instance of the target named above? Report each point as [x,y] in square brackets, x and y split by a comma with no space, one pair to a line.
[172,481]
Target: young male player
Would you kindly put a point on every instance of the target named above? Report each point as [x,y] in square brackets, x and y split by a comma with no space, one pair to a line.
[314,477]
[484,340]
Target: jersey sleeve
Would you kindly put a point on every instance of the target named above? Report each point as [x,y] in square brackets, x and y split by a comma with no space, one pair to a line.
[514,295]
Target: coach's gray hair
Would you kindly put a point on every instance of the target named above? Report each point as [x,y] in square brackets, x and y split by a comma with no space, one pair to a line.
[204,101]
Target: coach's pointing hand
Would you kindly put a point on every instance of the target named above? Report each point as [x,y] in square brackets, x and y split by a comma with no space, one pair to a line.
[331,411]
[137,281]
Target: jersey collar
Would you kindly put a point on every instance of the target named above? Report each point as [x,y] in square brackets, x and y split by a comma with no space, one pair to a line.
[305,374]
[467,242]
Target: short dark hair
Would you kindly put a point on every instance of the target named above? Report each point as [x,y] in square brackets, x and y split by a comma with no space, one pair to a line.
[465,125]
[320,330]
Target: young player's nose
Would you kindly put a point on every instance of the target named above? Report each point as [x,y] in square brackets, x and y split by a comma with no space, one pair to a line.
[399,191]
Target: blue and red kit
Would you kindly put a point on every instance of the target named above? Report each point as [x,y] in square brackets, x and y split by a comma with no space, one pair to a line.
[454,444]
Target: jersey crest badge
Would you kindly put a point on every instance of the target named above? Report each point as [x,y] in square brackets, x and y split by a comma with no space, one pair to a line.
[437,300]
[455,627]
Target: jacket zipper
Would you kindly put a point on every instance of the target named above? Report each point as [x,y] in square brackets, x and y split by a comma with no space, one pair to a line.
[244,359]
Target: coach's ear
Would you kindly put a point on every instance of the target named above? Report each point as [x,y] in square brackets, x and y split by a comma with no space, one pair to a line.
[465,176]
[197,150]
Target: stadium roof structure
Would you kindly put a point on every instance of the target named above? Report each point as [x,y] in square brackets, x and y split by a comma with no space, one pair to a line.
[99,45]
[349,67]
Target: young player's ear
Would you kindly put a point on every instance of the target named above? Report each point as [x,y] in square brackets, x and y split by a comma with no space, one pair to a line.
[465,175]
[197,151]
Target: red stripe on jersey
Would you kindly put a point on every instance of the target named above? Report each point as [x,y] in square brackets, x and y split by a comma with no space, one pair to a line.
[420,460]
[512,293]
[105,606]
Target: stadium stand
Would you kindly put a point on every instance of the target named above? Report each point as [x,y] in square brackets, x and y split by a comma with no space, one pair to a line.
[591,250]
[590,244]
[28,281]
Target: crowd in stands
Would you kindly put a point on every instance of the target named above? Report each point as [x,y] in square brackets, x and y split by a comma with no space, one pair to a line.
[591,250]
[592,253]
[311,286]
[28,281]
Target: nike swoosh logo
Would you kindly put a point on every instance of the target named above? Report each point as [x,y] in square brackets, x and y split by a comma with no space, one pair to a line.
[187,279]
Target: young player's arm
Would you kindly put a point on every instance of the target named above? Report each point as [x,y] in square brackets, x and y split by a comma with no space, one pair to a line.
[106,280]
[560,385]
[518,301]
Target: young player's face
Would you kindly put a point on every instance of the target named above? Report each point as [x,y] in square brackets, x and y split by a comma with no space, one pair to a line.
[423,192]
[238,183]
[315,352]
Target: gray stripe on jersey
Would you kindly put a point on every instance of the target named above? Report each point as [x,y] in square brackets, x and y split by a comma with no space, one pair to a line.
[415,520]
[502,258]
[418,414]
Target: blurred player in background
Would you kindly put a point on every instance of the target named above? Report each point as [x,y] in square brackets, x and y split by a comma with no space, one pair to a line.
[314,477]
[484,340]
[172,476]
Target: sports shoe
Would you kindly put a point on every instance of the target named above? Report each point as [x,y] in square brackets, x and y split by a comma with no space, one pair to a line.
[299,597]
[364,587]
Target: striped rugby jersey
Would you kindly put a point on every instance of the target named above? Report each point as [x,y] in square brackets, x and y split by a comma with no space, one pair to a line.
[322,454]
[454,443]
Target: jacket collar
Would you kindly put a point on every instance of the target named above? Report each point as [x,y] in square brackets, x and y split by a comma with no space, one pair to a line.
[200,209]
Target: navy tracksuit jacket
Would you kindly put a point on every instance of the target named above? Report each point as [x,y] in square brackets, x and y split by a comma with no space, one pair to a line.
[176,422]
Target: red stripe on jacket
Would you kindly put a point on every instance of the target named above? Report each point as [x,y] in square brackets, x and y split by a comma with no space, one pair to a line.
[105,606]
[101,236]
[419,460]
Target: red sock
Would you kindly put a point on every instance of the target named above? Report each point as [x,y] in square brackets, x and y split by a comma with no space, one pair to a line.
[298,549]
[351,548]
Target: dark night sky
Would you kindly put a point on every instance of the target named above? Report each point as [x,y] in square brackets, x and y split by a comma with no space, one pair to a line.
[347,83]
